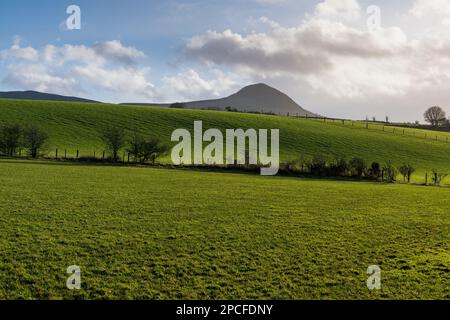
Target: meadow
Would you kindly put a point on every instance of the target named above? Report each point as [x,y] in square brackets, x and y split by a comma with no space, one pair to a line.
[78,126]
[147,233]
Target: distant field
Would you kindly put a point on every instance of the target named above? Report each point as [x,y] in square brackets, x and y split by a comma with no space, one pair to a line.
[174,234]
[76,126]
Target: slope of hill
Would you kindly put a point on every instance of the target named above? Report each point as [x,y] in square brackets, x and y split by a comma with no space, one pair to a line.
[76,126]
[34,95]
[259,98]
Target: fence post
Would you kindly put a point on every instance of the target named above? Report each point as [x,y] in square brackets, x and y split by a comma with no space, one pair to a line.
[78,153]
[56,154]
[65,154]
[426,178]
[94,155]
[128,158]
[103,158]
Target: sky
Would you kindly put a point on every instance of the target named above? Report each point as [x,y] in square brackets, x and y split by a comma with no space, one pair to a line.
[339,58]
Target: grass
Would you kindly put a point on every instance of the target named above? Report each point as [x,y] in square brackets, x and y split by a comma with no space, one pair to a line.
[76,126]
[142,233]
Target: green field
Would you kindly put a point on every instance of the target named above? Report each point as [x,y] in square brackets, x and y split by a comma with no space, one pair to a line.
[177,234]
[77,126]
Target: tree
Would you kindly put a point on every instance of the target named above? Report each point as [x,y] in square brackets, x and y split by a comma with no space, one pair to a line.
[375,170]
[10,139]
[438,177]
[114,140]
[338,168]
[318,166]
[136,146]
[34,140]
[177,105]
[406,171]
[358,166]
[153,149]
[390,172]
[435,116]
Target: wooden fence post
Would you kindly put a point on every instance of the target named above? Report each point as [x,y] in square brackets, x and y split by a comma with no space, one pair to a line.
[56,154]
[78,153]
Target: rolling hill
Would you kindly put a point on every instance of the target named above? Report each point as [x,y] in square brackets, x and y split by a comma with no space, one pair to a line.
[35,95]
[259,98]
[77,126]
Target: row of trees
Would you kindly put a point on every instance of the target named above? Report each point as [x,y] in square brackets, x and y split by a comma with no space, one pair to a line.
[142,149]
[356,167]
[15,138]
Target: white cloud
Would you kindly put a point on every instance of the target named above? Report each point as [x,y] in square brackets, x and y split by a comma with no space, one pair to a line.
[334,60]
[76,69]
[342,9]
[189,85]
[422,8]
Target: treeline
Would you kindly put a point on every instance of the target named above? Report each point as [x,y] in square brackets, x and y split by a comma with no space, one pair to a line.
[142,149]
[357,168]
[15,138]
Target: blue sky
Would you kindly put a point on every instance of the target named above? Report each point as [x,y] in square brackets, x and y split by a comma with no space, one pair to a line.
[321,53]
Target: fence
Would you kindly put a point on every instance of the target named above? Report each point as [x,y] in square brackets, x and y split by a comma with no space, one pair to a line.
[384,127]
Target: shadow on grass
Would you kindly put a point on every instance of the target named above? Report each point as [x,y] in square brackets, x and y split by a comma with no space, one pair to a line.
[203,168]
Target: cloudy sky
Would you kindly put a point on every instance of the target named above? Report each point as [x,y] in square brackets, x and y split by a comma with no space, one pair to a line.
[331,56]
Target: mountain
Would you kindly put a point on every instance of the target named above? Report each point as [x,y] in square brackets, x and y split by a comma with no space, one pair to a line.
[34,95]
[254,98]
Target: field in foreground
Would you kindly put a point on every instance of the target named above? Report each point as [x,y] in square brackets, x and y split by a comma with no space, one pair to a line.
[172,234]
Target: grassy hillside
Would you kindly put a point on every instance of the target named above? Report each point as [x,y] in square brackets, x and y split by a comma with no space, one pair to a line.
[75,126]
[138,233]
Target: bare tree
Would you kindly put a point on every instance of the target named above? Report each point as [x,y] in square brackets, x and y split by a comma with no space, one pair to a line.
[10,139]
[135,146]
[435,116]
[114,140]
[406,171]
[34,140]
